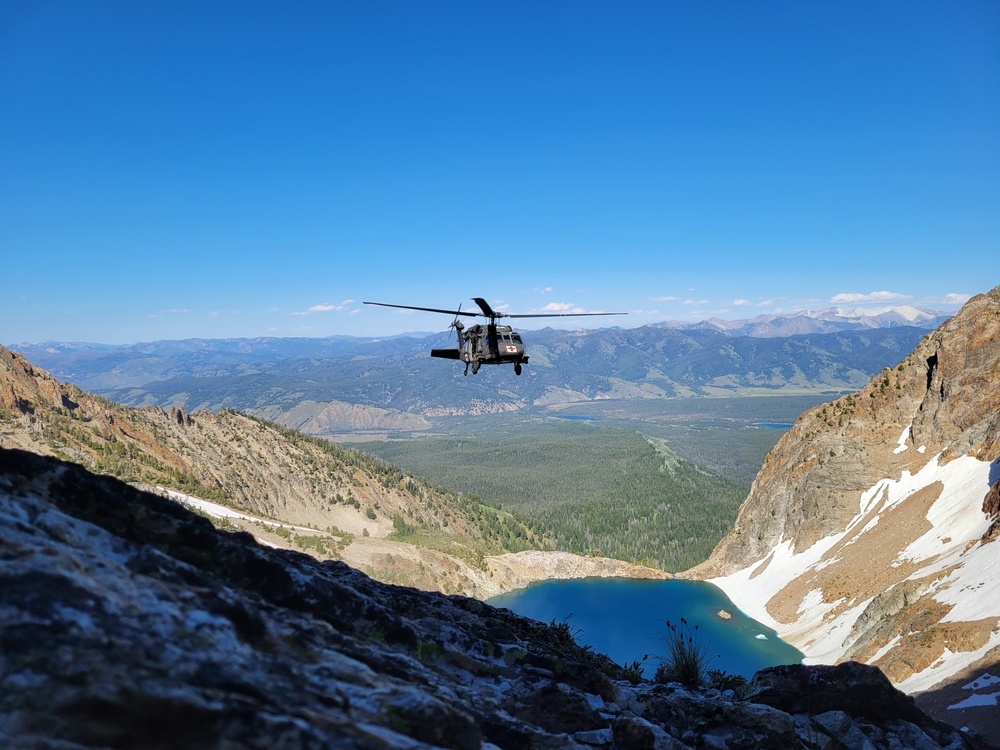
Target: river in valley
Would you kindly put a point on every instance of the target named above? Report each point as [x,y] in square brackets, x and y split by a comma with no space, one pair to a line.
[625,618]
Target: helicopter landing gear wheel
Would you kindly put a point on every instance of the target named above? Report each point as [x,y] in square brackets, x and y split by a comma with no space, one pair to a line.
[517,368]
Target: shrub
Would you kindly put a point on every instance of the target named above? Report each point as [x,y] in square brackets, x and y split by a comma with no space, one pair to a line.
[722,680]
[633,672]
[687,659]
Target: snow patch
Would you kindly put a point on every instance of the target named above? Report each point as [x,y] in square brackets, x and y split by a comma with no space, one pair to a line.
[885,649]
[220,511]
[981,682]
[752,595]
[952,545]
[989,699]
[811,600]
[901,443]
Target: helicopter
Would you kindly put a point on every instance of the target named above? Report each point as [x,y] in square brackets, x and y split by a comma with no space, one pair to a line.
[489,343]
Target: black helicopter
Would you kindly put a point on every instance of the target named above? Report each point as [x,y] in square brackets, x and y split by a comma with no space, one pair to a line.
[488,344]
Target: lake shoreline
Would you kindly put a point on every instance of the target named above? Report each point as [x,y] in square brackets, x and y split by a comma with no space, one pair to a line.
[629,620]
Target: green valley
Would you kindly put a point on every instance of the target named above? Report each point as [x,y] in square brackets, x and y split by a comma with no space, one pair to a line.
[657,482]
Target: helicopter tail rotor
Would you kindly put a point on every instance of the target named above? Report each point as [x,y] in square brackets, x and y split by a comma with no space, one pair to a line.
[458,325]
[452,353]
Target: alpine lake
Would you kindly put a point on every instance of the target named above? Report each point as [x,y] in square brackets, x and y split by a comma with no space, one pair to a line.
[626,618]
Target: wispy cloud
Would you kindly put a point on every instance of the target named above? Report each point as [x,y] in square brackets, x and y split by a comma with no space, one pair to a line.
[696,302]
[956,299]
[870,297]
[172,311]
[560,307]
[663,299]
[326,307]
[741,302]
[544,289]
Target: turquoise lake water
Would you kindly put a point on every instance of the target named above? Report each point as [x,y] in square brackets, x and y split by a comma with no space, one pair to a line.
[625,617]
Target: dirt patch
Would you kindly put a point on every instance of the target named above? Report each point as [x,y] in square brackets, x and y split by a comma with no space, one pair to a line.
[865,562]
[924,647]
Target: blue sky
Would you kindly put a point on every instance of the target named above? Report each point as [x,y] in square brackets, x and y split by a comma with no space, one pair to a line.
[183,169]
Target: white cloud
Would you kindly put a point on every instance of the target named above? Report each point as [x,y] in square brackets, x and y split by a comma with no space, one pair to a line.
[172,311]
[560,307]
[543,289]
[741,302]
[883,296]
[957,299]
[663,299]
[765,303]
[326,307]
[696,302]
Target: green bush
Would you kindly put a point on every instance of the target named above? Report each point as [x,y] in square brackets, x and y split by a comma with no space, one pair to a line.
[722,680]
[687,659]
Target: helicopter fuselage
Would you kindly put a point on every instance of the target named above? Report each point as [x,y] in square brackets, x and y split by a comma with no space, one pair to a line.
[486,345]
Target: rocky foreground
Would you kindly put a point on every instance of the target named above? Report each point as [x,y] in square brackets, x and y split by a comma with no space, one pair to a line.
[127,621]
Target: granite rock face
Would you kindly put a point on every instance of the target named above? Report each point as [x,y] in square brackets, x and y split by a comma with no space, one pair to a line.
[943,400]
[127,621]
[869,533]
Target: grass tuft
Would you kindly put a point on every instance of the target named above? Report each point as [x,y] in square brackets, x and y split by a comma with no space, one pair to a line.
[686,660]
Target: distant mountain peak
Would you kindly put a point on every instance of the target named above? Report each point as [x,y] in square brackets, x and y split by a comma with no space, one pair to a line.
[825,320]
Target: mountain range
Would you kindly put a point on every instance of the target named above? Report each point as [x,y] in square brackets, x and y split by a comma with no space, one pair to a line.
[330,386]
[826,320]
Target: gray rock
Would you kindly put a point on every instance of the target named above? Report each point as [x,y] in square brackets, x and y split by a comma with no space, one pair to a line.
[127,621]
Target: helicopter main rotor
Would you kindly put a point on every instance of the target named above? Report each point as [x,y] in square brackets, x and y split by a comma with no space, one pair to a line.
[489,312]
[488,344]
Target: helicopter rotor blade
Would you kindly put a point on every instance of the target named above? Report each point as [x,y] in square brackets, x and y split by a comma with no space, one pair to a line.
[427,309]
[564,315]
[487,310]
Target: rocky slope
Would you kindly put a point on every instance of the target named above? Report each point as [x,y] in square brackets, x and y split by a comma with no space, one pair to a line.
[869,533]
[127,621]
[333,502]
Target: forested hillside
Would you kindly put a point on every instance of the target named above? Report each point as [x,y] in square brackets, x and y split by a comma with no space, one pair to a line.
[604,491]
